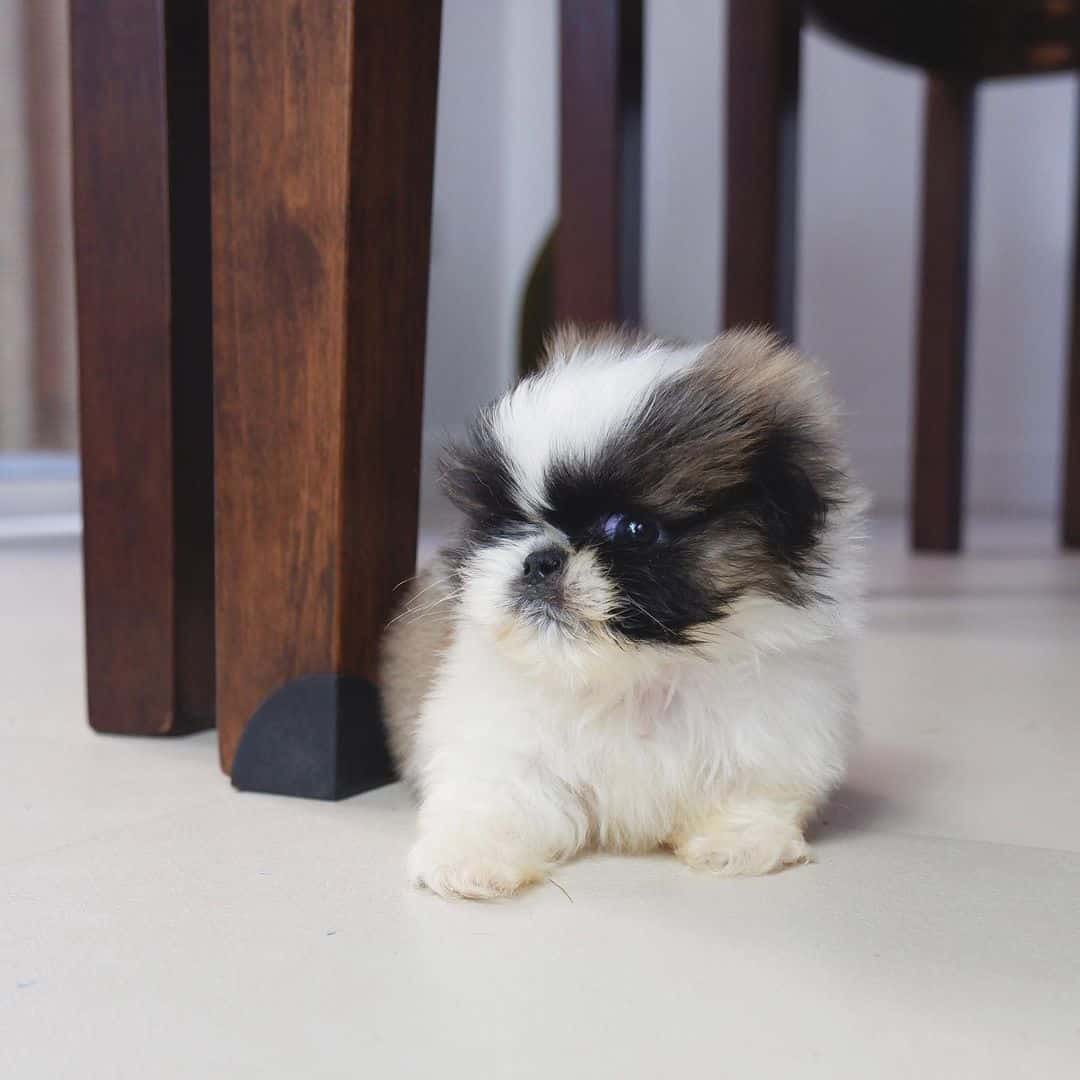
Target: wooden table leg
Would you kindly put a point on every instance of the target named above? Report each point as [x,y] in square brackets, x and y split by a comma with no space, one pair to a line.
[142,247]
[764,38]
[597,247]
[943,306]
[323,119]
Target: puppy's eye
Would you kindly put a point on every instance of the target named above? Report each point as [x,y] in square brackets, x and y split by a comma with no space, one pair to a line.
[627,529]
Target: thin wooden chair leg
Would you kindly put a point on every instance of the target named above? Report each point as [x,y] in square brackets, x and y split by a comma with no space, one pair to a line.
[943,316]
[764,38]
[323,140]
[142,250]
[597,249]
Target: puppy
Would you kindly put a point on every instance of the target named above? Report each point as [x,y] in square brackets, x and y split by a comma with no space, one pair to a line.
[640,638]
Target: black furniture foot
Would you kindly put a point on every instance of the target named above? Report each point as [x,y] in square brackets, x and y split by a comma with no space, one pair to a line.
[320,737]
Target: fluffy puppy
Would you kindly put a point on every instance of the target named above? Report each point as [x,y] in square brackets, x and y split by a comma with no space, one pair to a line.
[641,636]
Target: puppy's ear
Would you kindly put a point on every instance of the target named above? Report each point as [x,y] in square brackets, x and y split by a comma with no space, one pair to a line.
[570,344]
[476,477]
[561,344]
[456,476]
[790,482]
[788,419]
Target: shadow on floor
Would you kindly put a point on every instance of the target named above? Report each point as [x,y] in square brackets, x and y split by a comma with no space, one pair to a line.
[851,809]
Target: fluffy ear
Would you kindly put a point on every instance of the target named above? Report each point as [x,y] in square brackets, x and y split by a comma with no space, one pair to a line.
[456,476]
[477,479]
[789,418]
[790,483]
[561,344]
[571,344]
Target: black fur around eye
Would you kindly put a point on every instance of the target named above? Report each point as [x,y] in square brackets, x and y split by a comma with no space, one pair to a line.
[628,529]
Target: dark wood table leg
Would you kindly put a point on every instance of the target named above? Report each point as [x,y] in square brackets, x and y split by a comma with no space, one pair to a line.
[943,309]
[764,44]
[142,248]
[1070,496]
[323,119]
[597,248]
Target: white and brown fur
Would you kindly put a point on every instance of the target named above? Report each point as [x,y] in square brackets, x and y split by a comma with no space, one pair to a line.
[682,682]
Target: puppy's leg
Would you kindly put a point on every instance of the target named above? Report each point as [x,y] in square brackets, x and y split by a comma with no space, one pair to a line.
[752,832]
[481,839]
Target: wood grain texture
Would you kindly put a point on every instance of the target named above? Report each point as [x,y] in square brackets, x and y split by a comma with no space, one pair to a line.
[323,137]
[597,249]
[141,230]
[943,303]
[762,163]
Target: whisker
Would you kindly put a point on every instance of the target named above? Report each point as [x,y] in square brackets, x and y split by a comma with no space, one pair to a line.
[714,628]
[416,616]
[411,604]
[649,615]
[431,585]
[429,607]
[561,889]
[452,595]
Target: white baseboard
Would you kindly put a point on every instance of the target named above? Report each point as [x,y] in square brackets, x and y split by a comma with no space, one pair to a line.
[40,495]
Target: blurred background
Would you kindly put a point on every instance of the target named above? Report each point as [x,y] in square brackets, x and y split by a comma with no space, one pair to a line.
[38,431]
[496,202]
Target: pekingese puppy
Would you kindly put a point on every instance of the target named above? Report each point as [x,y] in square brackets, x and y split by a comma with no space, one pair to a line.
[640,638]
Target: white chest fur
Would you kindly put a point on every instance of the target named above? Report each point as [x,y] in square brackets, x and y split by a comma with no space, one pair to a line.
[637,760]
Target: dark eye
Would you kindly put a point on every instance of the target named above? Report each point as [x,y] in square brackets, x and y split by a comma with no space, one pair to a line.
[627,529]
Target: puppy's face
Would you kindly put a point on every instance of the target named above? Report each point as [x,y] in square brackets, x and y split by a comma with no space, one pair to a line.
[635,491]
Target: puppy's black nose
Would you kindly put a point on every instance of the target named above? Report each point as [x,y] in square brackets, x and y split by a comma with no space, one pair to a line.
[543,563]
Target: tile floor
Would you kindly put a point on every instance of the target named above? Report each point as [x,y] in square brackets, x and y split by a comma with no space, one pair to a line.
[154,923]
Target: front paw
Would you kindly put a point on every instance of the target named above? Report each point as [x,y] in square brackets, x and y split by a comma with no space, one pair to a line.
[472,872]
[743,851]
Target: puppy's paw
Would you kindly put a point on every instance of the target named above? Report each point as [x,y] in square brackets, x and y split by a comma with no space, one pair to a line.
[471,873]
[743,850]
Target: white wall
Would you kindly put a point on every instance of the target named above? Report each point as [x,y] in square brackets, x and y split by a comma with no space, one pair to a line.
[531,131]
[861,161]
[469,288]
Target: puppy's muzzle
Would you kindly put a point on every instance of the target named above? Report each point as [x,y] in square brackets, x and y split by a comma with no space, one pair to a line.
[542,572]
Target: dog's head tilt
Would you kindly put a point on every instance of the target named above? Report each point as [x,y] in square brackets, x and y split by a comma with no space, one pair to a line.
[645,497]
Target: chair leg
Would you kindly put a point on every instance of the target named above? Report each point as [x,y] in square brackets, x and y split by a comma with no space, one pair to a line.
[597,249]
[1070,508]
[323,140]
[142,249]
[943,309]
[764,39]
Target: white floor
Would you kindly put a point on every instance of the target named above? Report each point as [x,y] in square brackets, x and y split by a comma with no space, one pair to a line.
[154,923]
